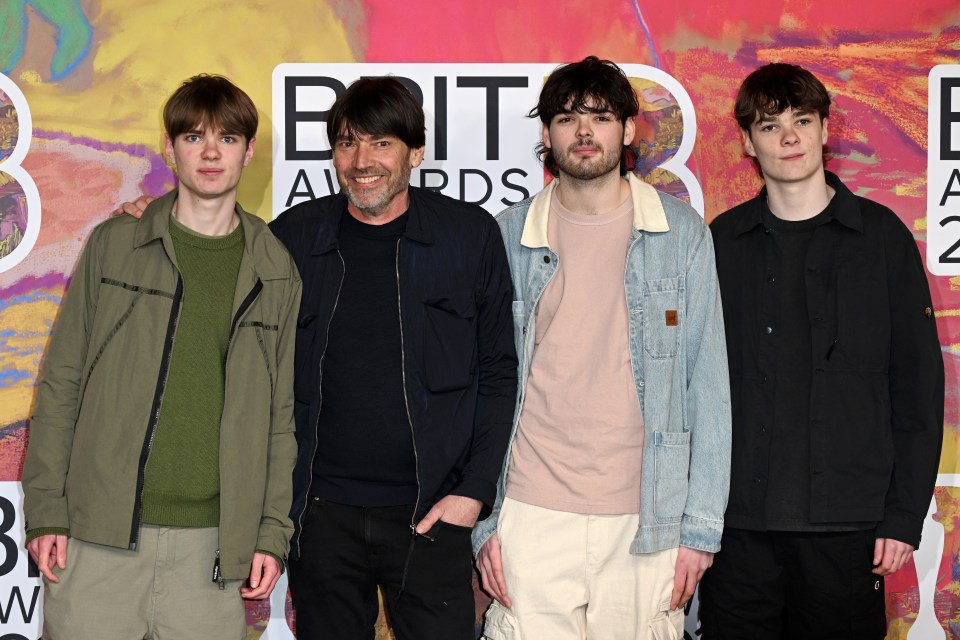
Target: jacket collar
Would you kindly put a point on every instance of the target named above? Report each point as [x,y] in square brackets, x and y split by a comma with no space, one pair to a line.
[648,213]
[846,207]
[418,221]
[155,225]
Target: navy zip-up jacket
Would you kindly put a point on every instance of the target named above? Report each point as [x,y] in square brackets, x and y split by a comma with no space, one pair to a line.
[459,359]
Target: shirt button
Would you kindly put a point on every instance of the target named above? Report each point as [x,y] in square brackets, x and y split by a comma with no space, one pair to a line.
[768,330]
[757,481]
[763,379]
[771,279]
[546,259]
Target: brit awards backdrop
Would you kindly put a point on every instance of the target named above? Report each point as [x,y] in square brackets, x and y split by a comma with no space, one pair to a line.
[82,83]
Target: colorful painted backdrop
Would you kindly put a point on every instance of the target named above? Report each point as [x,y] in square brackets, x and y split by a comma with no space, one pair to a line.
[95,72]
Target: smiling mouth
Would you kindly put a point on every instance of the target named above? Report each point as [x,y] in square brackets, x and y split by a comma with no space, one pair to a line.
[366,179]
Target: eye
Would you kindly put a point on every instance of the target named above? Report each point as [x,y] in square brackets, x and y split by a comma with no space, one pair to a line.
[804,121]
[382,144]
[192,137]
[604,117]
[344,144]
[229,139]
[767,128]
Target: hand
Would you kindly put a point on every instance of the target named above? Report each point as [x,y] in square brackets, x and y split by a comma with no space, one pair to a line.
[49,550]
[691,564]
[457,510]
[490,565]
[135,208]
[264,574]
[890,555]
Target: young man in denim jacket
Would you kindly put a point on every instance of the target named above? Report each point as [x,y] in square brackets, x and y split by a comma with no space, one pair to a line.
[837,384]
[610,504]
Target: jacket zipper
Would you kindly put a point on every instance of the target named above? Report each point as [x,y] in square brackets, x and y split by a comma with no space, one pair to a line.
[316,426]
[406,402]
[155,412]
[246,304]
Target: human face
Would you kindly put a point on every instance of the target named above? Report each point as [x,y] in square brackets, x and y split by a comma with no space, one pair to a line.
[788,146]
[587,145]
[209,163]
[374,173]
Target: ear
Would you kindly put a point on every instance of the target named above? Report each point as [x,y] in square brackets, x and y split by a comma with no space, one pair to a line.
[248,154]
[629,131]
[416,156]
[545,134]
[747,143]
[823,124]
[168,151]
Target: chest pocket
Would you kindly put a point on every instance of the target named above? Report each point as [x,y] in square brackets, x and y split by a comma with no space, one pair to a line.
[662,316]
[450,341]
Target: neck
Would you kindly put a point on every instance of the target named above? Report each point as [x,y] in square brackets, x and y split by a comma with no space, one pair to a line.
[211,217]
[591,197]
[393,210]
[803,200]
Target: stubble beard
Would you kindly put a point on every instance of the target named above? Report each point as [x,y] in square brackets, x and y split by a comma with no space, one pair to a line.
[396,183]
[587,168]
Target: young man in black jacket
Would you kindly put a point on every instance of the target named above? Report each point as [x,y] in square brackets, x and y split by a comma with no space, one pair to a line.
[836,381]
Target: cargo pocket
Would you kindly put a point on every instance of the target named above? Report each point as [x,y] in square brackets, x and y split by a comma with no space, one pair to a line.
[450,341]
[500,624]
[667,624]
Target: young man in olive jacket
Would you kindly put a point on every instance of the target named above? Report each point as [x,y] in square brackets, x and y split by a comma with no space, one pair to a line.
[157,476]
[837,386]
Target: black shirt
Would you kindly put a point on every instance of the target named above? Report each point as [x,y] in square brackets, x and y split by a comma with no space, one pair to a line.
[365,443]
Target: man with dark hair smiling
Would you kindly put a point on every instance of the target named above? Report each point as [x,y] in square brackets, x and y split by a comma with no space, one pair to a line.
[837,385]
[405,382]
[162,443]
[610,502]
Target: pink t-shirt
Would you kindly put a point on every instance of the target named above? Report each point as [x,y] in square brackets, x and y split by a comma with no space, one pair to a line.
[579,445]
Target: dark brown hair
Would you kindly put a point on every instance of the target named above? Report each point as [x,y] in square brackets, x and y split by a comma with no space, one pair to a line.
[776,87]
[210,101]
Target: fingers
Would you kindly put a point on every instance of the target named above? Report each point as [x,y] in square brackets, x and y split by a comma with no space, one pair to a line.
[490,563]
[46,552]
[890,555]
[430,519]
[61,549]
[264,574]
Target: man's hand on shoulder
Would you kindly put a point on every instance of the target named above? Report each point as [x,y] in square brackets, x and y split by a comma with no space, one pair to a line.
[264,573]
[47,551]
[458,510]
[135,208]
[490,565]
[890,555]
[691,565]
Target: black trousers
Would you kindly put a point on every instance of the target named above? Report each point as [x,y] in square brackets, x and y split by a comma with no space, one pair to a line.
[347,552]
[793,586]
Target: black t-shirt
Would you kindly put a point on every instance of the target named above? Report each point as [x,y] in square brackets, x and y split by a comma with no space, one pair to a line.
[365,451]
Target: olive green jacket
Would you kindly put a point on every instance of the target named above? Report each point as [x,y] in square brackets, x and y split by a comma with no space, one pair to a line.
[104,374]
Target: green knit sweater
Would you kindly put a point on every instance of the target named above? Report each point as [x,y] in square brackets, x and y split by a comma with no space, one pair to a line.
[182,481]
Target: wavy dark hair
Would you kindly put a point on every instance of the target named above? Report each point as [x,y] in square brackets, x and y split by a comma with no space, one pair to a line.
[571,87]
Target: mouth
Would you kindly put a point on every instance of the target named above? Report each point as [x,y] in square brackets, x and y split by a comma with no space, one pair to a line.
[365,180]
[795,156]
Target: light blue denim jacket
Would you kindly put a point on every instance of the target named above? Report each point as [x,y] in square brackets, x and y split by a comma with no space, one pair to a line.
[680,369]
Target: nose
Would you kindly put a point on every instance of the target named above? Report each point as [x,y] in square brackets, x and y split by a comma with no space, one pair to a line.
[583,126]
[789,135]
[210,148]
[363,157]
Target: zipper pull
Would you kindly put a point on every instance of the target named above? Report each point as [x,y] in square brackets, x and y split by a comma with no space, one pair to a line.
[217,576]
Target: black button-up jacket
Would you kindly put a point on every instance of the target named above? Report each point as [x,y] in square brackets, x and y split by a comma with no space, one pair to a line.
[877,391]
[459,360]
